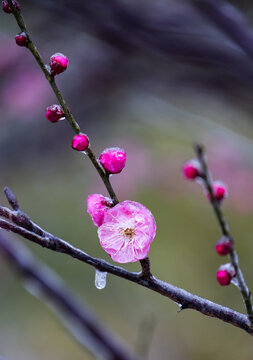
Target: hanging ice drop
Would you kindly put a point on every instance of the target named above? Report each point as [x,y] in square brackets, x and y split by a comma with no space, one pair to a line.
[100,279]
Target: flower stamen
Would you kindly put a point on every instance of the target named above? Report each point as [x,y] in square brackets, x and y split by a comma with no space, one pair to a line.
[128,232]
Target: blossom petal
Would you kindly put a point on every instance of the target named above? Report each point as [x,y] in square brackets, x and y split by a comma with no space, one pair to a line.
[114,239]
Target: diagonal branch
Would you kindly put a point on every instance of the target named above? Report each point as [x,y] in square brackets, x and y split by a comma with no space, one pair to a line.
[68,114]
[88,330]
[22,225]
[243,287]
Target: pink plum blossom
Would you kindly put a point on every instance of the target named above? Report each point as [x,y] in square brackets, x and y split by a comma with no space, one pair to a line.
[97,205]
[127,231]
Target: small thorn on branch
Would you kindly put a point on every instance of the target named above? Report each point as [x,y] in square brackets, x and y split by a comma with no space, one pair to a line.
[182,307]
[11,198]
[199,149]
[145,273]
[17,216]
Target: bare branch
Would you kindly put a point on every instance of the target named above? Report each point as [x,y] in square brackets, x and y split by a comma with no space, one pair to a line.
[79,320]
[182,297]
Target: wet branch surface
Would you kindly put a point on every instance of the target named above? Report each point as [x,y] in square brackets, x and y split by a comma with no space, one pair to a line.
[19,223]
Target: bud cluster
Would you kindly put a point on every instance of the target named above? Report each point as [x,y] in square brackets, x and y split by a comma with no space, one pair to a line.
[225,272]
[192,170]
[6,7]
[112,160]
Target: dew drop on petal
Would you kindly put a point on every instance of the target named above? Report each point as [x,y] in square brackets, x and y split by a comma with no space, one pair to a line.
[100,279]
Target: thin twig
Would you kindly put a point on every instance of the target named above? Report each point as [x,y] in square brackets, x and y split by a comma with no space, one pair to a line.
[79,320]
[199,149]
[182,297]
[58,94]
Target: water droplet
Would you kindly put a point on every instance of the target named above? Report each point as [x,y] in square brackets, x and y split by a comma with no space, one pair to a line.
[100,279]
[180,307]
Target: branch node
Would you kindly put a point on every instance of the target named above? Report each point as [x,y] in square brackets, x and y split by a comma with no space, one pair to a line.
[145,273]
[182,307]
[11,198]
[199,149]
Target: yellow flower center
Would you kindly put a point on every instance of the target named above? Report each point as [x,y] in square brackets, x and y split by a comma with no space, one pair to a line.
[129,233]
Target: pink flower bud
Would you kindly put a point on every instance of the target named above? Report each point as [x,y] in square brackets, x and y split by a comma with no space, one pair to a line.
[21,39]
[97,205]
[113,160]
[224,245]
[80,142]
[54,113]
[225,274]
[58,63]
[192,169]
[6,8]
[127,231]
[219,191]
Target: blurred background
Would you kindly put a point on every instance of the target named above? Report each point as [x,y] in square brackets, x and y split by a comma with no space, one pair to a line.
[152,77]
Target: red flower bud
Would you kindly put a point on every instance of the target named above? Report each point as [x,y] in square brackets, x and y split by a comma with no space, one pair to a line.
[225,274]
[113,160]
[80,142]
[192,169]
[219,191]
[21,39]
[58,63]
[6,7]
[224,245]
[54,113]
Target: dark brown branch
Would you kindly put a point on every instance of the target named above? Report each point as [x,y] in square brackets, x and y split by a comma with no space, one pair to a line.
[199,149]
[146,272]
[88,330]
[182,297]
